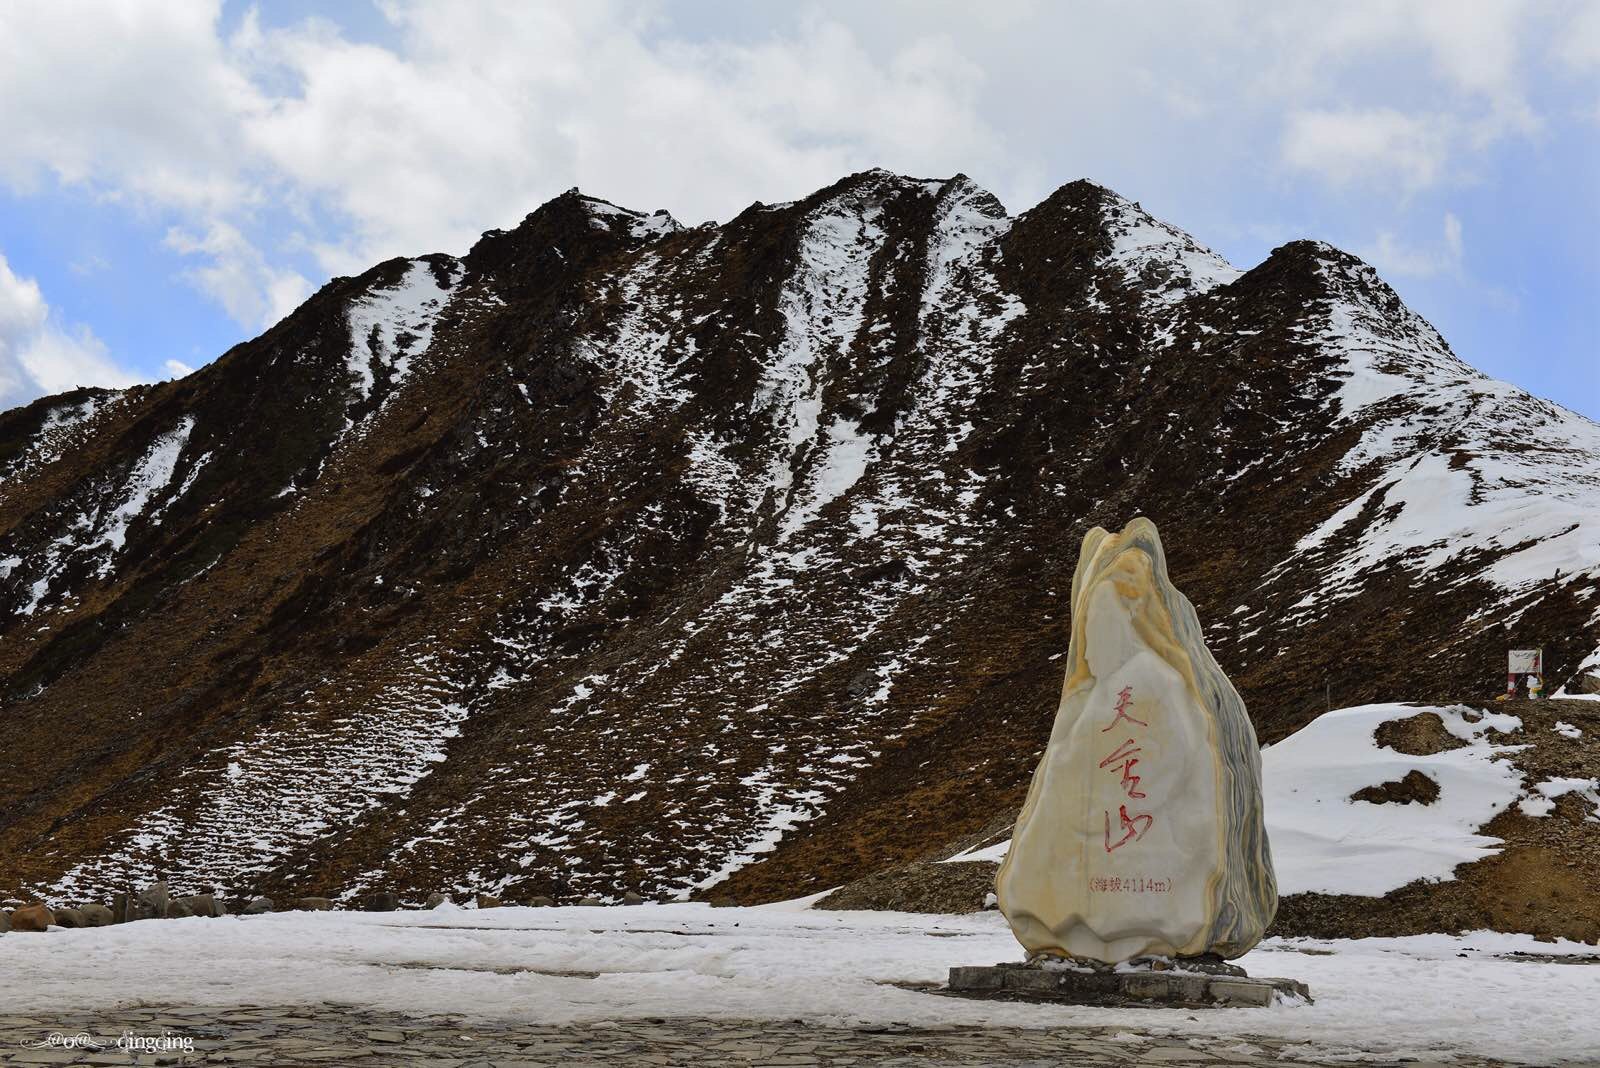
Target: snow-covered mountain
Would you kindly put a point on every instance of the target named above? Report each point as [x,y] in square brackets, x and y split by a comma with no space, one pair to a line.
[618,555]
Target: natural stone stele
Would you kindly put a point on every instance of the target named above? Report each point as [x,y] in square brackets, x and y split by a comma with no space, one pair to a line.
[1142,832]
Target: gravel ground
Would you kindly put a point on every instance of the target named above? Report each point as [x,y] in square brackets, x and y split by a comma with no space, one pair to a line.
[332,1035]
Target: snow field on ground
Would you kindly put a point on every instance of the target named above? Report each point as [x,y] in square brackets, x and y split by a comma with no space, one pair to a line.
[1428,997]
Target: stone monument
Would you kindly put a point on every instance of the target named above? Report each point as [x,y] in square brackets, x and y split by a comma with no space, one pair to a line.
[1141,839]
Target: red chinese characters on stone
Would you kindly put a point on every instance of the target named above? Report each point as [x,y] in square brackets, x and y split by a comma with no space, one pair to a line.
[1122,761]
[1124,754]
[1131,831]
[1123,700]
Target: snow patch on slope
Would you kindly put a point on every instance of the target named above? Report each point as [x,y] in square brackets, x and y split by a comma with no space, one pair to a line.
[604,215]
[284,786]
[1162,261]
[1385,349]
[56,435]
[845,452]
[1543,799]
[150,475]
[969,220]
[650,341]
[823,305]
[1590,666]
[777,812]
[390,328]
[100,529]
[1458,468]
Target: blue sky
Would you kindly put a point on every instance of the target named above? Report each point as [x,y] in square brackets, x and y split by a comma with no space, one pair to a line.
[177,176]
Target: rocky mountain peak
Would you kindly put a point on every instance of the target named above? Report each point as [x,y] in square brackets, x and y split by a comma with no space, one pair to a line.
[617,555]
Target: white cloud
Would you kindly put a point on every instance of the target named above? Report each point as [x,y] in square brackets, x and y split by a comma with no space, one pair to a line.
[480,113]
[177,368]
[1393,256]
[1417,135]
[39,355]
[1578,45]
[1475,44]
[91,264]
[1578,48]
[124,98]
[1343,146]
[238,276]
[485,112]
[274,153]
[1452,235]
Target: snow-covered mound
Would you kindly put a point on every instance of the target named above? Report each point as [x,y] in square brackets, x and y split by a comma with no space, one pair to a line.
[1325,840]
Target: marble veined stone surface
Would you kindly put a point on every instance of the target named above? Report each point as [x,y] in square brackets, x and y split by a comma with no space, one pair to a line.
[1142,833]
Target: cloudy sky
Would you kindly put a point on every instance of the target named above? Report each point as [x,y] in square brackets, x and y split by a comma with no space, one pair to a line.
[176,176]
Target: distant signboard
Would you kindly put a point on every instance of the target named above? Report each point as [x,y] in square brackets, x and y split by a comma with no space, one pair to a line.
[1526,662]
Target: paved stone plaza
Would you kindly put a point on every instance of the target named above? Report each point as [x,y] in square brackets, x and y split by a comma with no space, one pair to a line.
[330,1035]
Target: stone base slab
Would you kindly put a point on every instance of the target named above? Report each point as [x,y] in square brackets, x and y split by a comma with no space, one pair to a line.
[1026,982]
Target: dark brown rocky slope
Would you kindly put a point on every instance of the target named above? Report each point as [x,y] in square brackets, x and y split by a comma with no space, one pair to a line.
[617,555]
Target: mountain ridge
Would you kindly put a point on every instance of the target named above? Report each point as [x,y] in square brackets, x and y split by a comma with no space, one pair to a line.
[620,555]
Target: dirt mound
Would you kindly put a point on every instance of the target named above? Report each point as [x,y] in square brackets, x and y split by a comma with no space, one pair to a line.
[1421,735]
[938,887]
[1414,788]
